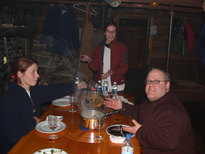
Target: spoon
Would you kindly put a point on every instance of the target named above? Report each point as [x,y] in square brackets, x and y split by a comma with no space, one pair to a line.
[121,131]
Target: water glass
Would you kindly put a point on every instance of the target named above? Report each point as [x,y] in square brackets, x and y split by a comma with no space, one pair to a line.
[99,122]
[72,101]
[52,123]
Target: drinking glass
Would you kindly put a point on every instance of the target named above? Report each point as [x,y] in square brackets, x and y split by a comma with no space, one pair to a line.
[52,123]
[99,122]
[72,100]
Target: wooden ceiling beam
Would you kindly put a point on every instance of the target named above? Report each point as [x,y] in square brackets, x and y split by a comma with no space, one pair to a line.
[163,7]
[193,3]
[63,1]
[193,6]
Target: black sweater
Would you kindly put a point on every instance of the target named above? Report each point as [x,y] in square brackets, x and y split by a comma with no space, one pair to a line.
[16,110]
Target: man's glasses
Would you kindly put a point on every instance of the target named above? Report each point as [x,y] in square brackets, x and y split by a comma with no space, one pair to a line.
[154,81]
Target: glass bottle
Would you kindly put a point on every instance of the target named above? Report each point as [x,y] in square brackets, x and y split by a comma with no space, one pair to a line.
[105,89]
[114,90]
[127,145]
[99,87]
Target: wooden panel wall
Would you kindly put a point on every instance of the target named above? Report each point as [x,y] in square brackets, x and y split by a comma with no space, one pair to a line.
[157,44]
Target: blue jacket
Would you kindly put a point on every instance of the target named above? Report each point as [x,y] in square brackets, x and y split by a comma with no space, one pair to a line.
[16,110]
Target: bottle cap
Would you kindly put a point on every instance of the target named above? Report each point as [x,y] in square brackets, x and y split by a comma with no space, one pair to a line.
[128,136]
[77,80]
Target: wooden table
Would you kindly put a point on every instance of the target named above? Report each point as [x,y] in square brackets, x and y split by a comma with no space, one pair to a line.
[72,139]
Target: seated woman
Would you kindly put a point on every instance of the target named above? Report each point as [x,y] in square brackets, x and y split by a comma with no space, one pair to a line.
[20,106]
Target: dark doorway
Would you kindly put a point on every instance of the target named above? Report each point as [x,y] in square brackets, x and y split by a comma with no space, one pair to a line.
[133,33]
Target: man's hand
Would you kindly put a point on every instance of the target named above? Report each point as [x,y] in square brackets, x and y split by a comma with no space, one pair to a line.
[133,129]
[115,104]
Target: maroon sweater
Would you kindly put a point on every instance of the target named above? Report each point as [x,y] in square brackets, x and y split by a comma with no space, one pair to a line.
[119,61]
[166,127]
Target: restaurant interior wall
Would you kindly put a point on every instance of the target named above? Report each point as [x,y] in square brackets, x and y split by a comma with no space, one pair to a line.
[183,67]
[155,52]
[16,30]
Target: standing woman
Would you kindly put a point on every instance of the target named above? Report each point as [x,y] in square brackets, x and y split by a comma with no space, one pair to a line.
[20,106]
[110,59]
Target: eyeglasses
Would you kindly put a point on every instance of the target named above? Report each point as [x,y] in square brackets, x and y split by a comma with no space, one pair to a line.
[111,32]
[154,81]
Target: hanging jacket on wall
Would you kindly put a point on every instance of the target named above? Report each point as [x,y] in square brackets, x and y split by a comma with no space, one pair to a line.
[87,47]
[189,36]
[178,40]
[200,49]
[183,39]
[60,31]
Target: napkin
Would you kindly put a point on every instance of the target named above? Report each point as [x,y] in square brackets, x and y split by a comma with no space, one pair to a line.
[125,100]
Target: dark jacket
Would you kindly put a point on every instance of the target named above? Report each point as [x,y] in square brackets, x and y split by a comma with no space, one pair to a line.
[60,31]
[16,110]
[119,61]
[166,127]
[200,48]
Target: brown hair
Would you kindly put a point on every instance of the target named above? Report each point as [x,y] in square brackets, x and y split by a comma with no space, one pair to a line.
[111,23]
[21,64]
[166,74]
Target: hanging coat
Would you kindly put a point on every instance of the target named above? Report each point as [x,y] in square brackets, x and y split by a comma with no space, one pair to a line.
[200,49]
[60,31]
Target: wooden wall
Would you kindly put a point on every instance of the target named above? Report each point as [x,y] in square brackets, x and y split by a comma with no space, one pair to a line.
[156,45]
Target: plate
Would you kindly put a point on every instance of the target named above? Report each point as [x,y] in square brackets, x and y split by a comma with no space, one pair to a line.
[50,151]
[65,101]
[114,130]
[43,127]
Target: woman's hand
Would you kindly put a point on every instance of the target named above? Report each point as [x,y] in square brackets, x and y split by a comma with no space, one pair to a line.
[85,58]
[133,129]
[115,104]
[82,85]
[37,119]
[106,75]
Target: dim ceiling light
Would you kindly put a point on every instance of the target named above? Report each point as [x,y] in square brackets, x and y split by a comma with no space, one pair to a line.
[113,3]
[154,4]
